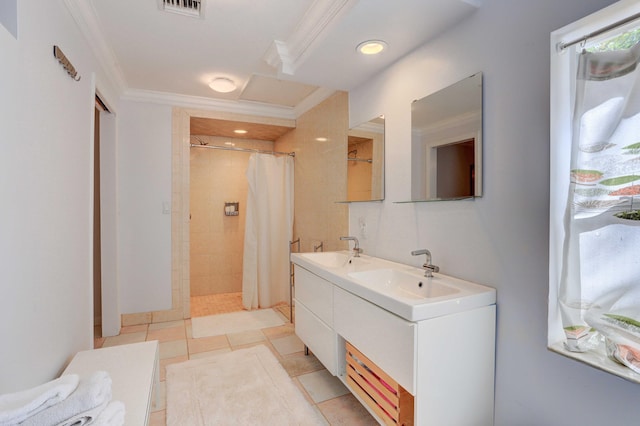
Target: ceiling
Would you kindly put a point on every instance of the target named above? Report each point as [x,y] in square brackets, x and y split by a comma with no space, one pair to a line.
[283,54]
[228,128]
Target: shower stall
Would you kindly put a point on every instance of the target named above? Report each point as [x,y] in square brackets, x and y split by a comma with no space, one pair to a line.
[219,190]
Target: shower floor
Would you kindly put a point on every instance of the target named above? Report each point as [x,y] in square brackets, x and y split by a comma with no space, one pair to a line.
[212,304]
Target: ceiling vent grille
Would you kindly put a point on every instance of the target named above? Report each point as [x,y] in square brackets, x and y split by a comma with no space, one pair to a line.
[193,8]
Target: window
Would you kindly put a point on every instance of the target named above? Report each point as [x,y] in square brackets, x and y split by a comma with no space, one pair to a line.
[594,269]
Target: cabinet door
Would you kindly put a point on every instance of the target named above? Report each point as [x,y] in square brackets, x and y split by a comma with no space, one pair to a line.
[456,368]
[316,293]
[386,339]
[318,337]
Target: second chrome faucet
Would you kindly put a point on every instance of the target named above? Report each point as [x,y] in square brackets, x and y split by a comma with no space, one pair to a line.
[356,248]
[429,269]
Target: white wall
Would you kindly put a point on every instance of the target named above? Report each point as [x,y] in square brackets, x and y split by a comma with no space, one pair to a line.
[144,184]
[501,239]
[46,174]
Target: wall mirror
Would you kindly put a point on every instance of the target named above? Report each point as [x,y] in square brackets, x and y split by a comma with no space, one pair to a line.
[446,143]
[365,161]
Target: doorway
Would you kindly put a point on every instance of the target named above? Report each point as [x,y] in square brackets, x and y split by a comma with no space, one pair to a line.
[218,191]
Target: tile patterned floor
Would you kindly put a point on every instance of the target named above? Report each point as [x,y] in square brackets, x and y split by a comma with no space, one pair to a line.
[325,392]
[212,304]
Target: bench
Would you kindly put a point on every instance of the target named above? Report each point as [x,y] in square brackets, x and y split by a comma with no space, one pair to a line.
[134,371]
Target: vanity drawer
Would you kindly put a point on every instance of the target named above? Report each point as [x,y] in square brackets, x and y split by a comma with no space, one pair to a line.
[386,339]
[318,337]
[316,293]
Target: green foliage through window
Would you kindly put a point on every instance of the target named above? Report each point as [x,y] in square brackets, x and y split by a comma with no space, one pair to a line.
[619,42]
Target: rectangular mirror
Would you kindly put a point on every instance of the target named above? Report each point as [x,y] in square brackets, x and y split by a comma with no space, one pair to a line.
[365,161]
[446,143]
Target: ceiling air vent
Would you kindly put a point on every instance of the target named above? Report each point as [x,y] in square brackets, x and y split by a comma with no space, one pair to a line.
[193,8]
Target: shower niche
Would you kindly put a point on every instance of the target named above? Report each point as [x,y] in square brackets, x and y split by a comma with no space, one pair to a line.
[232,208]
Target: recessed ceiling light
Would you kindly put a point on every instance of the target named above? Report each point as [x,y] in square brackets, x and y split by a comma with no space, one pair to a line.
[240,131]
[371,47]
[321,139]
[222,85]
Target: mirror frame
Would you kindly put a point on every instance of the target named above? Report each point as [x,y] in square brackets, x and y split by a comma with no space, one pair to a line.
[377,160]
[458,127]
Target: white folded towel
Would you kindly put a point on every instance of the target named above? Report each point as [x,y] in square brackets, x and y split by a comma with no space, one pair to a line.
[15,407]
[112,415]
[81,407]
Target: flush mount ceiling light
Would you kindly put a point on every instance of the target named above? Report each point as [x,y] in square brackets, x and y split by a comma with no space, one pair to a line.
[371,47]
[322,139]
[222,85]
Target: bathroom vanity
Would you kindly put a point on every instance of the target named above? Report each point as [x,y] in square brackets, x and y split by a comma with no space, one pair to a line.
[413,349]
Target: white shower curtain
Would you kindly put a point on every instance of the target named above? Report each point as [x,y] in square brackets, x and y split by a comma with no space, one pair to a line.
[268,231]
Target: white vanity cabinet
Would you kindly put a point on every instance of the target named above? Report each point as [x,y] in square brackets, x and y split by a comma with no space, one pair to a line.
[314,317]
[439,368]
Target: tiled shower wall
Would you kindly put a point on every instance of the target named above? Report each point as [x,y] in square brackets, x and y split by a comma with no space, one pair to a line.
[320,173]
[216,240]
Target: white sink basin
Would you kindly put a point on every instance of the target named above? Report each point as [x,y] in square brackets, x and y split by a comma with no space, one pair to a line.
[402,284]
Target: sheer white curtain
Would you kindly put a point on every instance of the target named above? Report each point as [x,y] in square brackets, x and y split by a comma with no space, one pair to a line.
[268,230]
[598,292]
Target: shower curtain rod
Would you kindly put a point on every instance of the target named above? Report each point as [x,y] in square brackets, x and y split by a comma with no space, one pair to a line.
[561,46]
[230,148]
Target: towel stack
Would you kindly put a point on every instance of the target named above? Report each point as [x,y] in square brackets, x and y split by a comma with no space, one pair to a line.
[69,400]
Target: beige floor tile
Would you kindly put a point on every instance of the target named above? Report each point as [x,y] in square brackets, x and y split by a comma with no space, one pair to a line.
[168,324]
[245,337]
[280,331]
[124,339]
[288,345]
[158,418]
[133,328]
[299,363]
[207,344]
[200,355]
[167,334]
[322,386]
[98,342]
[173,349]
[346,410]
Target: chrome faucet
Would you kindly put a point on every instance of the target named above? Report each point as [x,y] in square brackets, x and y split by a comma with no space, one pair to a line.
[356,248]
[429,269]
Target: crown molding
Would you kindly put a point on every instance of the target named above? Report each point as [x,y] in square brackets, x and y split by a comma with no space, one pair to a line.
[288,55]
[223,105]
[85,17]
[197,102]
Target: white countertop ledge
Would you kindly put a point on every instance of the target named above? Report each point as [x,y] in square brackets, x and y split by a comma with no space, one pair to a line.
[336,268]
